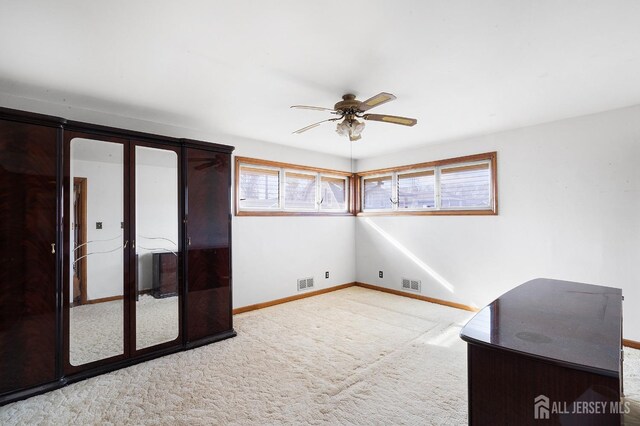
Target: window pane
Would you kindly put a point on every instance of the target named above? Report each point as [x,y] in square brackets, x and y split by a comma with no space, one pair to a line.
[333,193]
[259,188]
[300,191]
[377,193]
[417,190]
[466,186]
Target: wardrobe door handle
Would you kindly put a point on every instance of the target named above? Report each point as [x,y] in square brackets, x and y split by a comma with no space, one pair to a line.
[188,241]
[53,248]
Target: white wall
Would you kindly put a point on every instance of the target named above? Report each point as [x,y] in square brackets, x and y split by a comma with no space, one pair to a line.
[269,253]
[569,199]
[104,204]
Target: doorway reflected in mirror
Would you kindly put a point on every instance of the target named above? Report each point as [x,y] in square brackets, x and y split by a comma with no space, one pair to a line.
[96,317]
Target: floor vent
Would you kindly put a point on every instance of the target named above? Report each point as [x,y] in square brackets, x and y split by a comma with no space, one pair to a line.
[305,283]
[411,285]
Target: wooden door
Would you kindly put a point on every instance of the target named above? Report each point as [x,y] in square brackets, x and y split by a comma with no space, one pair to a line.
[28,158]
[208,243]
[79,240]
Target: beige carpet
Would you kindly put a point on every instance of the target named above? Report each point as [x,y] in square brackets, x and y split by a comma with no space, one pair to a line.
[96,330]
[354,356]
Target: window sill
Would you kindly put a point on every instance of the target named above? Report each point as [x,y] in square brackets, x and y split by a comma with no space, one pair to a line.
[286,213]
[432,213]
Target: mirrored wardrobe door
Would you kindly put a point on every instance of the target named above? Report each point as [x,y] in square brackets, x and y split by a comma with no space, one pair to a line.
[157,252]
[97,244]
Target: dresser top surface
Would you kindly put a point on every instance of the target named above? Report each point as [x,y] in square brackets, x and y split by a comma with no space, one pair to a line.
[570,323]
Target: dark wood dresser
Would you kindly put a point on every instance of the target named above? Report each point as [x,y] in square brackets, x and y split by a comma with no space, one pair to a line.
[165,275]
[547,352]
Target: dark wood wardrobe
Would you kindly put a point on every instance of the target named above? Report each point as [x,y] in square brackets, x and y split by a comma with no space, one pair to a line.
[115,249]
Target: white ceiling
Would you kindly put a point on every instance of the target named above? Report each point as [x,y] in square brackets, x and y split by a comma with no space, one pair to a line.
[461,68]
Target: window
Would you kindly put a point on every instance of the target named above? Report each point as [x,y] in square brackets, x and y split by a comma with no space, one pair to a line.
[259,188]
[377,192]
[465,185]
[300,191]
[417,190]
[271,188]
[333,193]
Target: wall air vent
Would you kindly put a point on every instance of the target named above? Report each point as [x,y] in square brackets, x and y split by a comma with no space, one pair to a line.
[305,283]
[411,285]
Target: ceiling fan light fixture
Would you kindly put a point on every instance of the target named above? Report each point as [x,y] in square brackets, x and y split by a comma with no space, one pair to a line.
[351,128]
[343,128]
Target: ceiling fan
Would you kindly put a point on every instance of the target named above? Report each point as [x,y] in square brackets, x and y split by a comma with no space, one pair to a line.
[349,109]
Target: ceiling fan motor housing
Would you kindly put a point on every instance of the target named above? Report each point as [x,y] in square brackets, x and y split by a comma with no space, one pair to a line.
[349,103]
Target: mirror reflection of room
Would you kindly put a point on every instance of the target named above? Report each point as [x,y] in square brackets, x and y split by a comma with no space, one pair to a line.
[96,316]
[156,247]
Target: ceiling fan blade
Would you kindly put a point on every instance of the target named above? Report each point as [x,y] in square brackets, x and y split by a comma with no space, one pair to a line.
[405,121]
[315,108]
[376,100]
[311,126]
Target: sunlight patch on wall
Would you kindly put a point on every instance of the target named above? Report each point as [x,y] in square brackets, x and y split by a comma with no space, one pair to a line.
[439,278]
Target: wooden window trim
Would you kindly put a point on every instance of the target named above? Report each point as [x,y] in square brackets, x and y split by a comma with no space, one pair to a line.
[272,172]
[332,178]
[276,164]
[378,178]
[293,168]
[422,173]
[492,157]
[469,168]
[298,175]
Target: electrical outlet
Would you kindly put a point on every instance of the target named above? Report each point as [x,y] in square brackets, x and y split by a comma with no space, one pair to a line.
[98,225]
[380,274]
[326,274]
